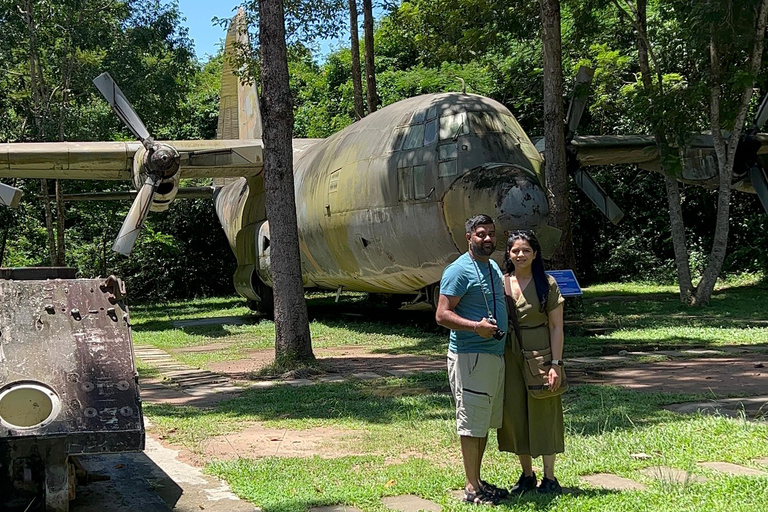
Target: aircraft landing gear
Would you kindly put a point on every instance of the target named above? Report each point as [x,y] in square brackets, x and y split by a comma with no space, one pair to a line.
[266,304]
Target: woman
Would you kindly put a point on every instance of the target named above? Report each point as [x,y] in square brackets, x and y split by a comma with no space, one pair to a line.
[532,427]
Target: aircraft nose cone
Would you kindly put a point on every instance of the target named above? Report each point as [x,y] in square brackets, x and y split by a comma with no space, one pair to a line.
[508,193]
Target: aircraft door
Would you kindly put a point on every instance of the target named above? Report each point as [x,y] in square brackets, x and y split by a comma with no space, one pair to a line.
[263,251]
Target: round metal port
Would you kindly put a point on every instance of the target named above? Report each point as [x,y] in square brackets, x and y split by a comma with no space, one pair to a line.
[26,405]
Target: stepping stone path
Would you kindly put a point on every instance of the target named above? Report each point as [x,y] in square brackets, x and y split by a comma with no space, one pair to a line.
[672,475]
[179,374]
[409,503]
[733,469]
[613,482]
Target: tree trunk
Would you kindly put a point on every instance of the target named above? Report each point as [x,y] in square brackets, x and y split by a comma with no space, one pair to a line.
[677,225]
[292,339]
[60,254]
[554,134]
[726,152]
[357,80]
[370,70]
[48,221]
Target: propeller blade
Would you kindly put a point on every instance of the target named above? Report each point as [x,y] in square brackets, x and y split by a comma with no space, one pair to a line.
[578,99]
[120,104]
[10,196]
[597,195]
[133,222]
[759,181]
[762,114]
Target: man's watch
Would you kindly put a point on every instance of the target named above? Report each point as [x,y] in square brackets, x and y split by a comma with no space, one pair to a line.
[557,362]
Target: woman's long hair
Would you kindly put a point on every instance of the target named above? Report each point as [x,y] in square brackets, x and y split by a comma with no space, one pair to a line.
[537,266]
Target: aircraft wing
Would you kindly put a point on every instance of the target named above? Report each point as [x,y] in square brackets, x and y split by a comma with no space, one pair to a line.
[115,160]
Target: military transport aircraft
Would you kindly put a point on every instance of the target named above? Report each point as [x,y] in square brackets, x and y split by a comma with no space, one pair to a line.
[381,204]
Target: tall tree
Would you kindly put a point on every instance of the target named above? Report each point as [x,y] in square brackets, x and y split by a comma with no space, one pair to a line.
[554,134]
[370,68]
[638,13]
[354,39]
[292,339]
[740,44]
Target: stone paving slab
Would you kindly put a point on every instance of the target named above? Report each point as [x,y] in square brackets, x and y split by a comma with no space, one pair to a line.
[264,384]
[366,376]
[335,508]
[755,407]
[733,469]
[410,503]
[613,482]
[672,475]
[400,373]
[299,382]
[328,379]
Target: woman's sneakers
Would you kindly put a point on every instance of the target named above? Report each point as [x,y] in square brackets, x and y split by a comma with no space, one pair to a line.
[524,484]
[548,486]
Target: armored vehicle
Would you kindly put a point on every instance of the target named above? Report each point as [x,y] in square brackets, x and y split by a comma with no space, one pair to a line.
[68,383]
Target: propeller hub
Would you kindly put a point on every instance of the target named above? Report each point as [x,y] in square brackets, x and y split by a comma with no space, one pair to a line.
[162,160]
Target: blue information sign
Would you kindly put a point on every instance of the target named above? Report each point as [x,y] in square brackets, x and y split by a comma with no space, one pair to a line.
[566,280]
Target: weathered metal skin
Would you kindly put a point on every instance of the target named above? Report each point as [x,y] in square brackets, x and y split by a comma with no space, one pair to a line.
[358,225]
[69,341]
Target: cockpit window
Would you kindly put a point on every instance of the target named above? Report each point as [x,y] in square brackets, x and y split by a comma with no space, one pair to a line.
[485,122]
[453,125]
[415,137]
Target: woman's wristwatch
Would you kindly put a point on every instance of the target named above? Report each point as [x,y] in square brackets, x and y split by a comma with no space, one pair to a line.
[557,362]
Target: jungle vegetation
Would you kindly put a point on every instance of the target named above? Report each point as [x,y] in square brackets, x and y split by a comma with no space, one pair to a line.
[48,59]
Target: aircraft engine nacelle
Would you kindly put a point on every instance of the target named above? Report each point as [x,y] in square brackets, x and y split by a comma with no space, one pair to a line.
[167,188]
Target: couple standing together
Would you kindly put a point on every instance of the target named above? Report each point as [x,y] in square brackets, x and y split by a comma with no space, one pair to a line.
[486,362]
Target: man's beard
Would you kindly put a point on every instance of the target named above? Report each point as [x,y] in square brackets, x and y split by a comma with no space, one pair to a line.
[481,249]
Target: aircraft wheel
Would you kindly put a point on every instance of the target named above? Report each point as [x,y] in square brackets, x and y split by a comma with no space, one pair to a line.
[434,295]
[265,306]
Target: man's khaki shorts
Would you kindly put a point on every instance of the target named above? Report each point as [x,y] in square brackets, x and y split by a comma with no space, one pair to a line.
[477,383]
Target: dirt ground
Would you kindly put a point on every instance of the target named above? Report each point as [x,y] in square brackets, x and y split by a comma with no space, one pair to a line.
[719,376]
[342,361]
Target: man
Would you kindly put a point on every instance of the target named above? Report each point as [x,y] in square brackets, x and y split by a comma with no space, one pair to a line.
[472,306]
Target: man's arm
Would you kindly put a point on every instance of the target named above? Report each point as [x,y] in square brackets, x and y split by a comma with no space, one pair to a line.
[447,317]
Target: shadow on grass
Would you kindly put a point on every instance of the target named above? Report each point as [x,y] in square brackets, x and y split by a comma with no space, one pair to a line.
[590,409]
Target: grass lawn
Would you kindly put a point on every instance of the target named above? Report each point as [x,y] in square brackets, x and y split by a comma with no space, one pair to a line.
[651,318]
[411,448]
[404,427]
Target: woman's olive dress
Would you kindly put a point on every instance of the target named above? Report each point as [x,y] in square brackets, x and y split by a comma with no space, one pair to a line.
[531,426]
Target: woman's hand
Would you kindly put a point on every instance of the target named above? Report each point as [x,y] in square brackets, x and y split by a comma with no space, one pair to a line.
[555,377]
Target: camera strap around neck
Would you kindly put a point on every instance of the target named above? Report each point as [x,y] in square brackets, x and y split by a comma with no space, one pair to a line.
[482,287]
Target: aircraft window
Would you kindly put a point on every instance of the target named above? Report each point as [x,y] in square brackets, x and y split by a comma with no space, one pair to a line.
[415,137]
[432,112]
[446,151]
[448,168]
[453,125]
[430,132]
[405,183]
[397,141]
[333,183]
[485,122]
[419,189]
[418,117]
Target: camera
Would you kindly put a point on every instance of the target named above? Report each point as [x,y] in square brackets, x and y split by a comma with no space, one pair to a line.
[499,334]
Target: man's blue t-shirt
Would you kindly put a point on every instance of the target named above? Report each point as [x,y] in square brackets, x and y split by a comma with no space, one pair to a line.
[460,280]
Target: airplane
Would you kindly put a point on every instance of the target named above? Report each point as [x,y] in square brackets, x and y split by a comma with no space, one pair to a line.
[381,204]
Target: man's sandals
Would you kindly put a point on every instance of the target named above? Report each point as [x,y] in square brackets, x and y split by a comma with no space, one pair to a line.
[488,494]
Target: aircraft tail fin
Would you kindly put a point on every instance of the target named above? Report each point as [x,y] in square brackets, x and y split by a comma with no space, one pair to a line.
[239,109]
